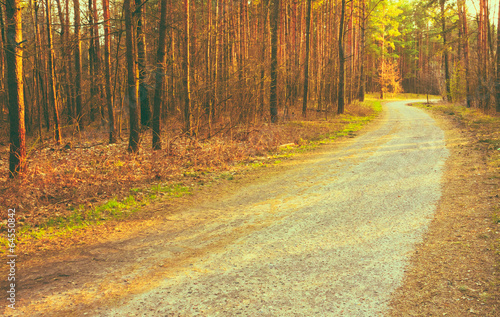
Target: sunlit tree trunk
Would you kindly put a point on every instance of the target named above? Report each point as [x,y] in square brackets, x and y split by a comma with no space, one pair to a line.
[132,80]
[160,75]
[107,71]
[14,64]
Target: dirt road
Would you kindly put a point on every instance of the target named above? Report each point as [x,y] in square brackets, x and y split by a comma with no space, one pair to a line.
[329,237]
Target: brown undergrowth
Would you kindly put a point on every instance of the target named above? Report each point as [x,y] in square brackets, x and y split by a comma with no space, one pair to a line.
[454,271]
[86,181]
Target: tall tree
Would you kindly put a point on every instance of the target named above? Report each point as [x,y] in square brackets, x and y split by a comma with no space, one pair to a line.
[186,65]
[361,95]
[465,43]
[78,66]
[94,104]
[264,42]
[51,76]
[38,82]
[132,80]
[141,63]
[306,62]
[3,69]
[161,59]
[14,63]
[341,88]
[107,71]
[498,62]
[66,62]
[446,57]
[273,102]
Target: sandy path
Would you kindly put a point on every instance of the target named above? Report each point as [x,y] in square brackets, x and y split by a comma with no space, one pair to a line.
[330,238]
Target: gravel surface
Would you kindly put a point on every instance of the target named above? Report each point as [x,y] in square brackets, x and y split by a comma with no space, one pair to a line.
[330,238]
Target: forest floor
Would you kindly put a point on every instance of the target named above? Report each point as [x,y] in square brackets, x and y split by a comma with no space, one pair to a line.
[85,192]
[327,232]
[83,186]
[455,271]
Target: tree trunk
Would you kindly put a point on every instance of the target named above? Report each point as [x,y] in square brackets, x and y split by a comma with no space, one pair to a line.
[264,30]
[107,70]
[498,62]
[274,61]
[92,64]
[14,64]
[466,53]
[141,64]
[51,76]
[361,96]
[187,72]
[97,61]
[37,77]
[306,62]
[78,66]
[341,62]
[445,52]
[132,80]
[3,70]
[67,52]
[64,41]
[160,75]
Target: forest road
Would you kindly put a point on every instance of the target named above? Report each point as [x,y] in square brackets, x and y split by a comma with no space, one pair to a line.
[328,238]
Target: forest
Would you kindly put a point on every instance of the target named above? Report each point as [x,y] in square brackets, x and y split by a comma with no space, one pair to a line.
[146,136]
[201,67]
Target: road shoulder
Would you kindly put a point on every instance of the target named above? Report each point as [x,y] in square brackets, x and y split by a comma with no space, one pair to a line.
[454,272]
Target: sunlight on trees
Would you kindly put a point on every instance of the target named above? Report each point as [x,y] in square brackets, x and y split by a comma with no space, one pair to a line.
[236,64]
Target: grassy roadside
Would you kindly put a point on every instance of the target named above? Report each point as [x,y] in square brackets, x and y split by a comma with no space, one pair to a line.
[71,190]
[455,270]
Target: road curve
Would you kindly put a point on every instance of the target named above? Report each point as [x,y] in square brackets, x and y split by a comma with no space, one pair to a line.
[329,238]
